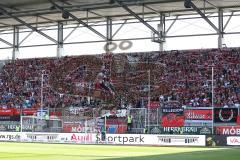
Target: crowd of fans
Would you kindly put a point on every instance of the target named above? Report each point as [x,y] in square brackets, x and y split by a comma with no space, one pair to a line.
[124,80]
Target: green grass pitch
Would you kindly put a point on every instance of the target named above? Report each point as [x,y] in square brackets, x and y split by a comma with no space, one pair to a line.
[38,151]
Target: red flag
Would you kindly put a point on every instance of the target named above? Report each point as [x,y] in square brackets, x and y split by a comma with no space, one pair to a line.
[172,120]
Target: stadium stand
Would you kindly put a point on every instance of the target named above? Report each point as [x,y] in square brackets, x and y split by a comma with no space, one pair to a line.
[88,81]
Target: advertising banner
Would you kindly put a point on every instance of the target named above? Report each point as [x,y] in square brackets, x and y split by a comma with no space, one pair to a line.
[10,118]
[221,140]
[233,141]
[80,138]
[81,127]
[165,140]
[73,128]
[198,123]
[10,136]
[89,138]
[225,115]
[181,130]
[29,111]
[8,127]
[227,130]
[181,140]
[172,117]
[7,112]
[198,114]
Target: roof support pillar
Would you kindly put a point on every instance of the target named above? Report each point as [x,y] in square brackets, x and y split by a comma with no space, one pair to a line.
[15,42]
[162,32]
[60,40]
[109,33]
[221,28]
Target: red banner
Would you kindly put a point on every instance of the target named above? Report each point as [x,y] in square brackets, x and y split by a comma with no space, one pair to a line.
[227,130]
[172,120]
[7,112]
[58,114]
[198,114]
[73,128]
[30,111]
[26,112]
[238,120]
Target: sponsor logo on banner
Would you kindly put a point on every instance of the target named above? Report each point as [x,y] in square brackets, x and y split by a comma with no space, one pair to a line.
[124,139]
[3,127]
[181,130]
[78,128]
[205,130]
[225,115]
[227,130]
[233,141]
[74,128]
[156,130]
[10,136]
[181,140]
[8,127]
[144,139]
[82,138]
[198,114]
[40,137]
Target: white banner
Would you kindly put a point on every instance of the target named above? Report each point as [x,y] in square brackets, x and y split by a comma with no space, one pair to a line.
[89,138]
[81,138]
[10,136]
[144,139]
[233,141]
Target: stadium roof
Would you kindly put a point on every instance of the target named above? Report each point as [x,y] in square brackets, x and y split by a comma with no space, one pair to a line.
[19,12]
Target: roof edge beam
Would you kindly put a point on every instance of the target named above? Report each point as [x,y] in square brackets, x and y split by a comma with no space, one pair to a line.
[26,24]
[6,42]
[116,32]
[73,30]
[193,6]
[137,17]
[171,25]
[77,19]
[229,19]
